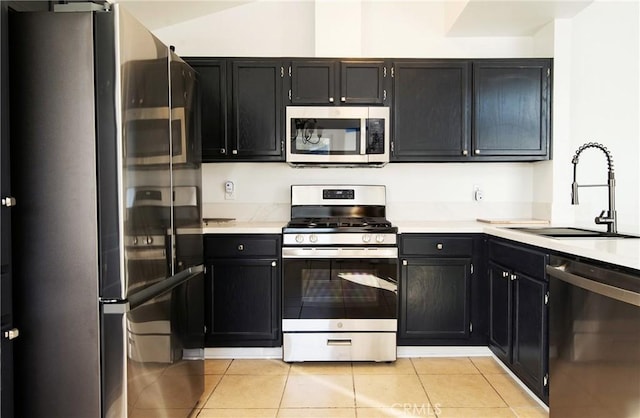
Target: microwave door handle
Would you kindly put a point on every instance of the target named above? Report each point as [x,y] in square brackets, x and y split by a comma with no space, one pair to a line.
[363,136]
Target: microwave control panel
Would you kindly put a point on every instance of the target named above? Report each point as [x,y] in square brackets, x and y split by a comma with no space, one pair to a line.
[375,136]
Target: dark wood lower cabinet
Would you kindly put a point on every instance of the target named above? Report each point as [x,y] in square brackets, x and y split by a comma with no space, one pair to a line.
[441,300]
[243,289]
[435,294]
[518,310]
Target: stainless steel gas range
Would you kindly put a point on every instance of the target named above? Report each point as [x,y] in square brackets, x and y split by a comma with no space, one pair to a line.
[340,275]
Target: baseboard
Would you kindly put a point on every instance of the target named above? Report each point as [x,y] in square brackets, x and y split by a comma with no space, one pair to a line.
[243,353]
[442,351]
[402,352]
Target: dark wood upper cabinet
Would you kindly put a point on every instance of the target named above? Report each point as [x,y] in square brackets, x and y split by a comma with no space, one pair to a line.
[313,82]
[511,108]
[431,104]
[241,108]
[256,109]
[338,82]
[212,77]
[362,82]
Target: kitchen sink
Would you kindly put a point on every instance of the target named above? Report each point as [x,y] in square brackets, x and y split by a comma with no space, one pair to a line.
[570,232]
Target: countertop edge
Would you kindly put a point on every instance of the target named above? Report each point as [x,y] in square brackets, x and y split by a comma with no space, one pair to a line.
[622,252]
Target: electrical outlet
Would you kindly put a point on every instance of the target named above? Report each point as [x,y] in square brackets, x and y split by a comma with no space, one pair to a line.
[478,194]
[229,190]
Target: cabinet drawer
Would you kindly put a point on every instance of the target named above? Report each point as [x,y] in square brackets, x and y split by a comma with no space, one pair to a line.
[519,259]
[421,245]
[220,246]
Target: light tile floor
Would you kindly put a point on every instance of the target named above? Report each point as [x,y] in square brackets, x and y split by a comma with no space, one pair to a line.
[463,387]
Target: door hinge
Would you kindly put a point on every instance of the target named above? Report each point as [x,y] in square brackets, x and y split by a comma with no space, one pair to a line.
[384,72]
[470,326]
[384,95]
[281,145]
[289,94]
[205,329]
[393,72]
[545,380]
[548,72]
[392,147]
[471,268]
[281,72]
[289,71]
[205,270]
[546,298]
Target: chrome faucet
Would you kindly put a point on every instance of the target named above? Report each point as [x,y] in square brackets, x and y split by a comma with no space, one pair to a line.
[610,218]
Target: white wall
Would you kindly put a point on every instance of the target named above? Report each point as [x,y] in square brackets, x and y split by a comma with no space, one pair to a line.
[595,98]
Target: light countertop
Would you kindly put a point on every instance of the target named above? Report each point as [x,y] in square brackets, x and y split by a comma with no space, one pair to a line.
[621,251]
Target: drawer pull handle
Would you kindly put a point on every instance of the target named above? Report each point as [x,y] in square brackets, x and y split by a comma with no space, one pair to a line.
[439,246]
[339,342]
[240,247]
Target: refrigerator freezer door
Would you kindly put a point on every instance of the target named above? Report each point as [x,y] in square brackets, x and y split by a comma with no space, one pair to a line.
[144,347]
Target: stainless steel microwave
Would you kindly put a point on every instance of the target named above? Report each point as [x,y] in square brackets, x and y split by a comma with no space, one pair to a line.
[334,135]
[147,137]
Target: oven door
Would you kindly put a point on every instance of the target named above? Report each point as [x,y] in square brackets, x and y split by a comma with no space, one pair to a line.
[344,288]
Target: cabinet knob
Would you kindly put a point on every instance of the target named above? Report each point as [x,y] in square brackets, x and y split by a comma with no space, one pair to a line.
[477,151]
[12,334]
[234,152]
[273,264]
[465,152]
[404,262]
[514,277]
[240,247]
[505,274]
[223,151]
[8,201]
[439,246]
[343,99]
[330,99]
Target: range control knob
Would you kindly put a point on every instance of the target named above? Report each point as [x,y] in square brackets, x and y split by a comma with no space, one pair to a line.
[366,237]
[313,238]
[299,238]
[379,238]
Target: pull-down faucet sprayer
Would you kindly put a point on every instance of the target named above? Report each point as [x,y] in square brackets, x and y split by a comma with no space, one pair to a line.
[610,218]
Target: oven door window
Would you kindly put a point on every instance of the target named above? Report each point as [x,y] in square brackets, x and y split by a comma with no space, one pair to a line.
[340,288]
[326,136]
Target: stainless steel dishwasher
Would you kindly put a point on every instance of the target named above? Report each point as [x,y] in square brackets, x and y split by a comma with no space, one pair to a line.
[594,340]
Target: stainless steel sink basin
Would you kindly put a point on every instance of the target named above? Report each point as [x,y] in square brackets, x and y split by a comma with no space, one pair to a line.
[570,232]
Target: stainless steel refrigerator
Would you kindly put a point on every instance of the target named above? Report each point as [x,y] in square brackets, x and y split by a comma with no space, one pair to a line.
[105,162]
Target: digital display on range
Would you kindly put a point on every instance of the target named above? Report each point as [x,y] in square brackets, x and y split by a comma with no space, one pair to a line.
[346,194]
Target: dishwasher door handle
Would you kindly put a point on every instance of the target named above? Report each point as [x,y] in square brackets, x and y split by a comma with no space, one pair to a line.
[623,295]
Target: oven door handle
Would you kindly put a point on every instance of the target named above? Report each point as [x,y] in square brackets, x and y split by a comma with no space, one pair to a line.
[340,252]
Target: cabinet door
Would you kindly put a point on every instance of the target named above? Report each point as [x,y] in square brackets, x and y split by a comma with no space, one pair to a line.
[313,82]
[256,110]
[511,108]
[362,82]
[434,299]
[431,102]
[500,319]
[530,331]
[213,104]
[243,303]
